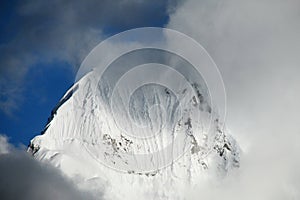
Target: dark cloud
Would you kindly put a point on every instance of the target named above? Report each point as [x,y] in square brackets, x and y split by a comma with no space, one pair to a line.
[47,31]
[22,177]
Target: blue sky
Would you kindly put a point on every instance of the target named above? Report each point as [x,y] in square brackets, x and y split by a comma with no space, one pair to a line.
[43,88]
[38,64]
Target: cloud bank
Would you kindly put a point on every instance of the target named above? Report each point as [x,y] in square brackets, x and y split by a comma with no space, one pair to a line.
[255,45]
[22,177]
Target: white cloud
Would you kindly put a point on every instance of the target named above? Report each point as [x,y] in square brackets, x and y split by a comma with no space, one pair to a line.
[64,31]
[255,45]
[4,147]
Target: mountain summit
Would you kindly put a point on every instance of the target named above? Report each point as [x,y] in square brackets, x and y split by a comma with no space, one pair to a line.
[151,145]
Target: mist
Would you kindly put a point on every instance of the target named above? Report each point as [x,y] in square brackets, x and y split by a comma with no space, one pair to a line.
[255,46]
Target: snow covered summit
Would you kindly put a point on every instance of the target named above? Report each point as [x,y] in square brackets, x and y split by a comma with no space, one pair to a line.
[105,149]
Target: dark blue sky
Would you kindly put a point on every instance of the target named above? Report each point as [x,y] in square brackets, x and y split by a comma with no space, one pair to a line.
[43,88]
[35,67]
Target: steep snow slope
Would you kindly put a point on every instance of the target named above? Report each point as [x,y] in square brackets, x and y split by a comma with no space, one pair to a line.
[166,142]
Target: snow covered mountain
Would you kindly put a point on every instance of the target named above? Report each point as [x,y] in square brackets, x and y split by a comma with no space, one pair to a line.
[83,138]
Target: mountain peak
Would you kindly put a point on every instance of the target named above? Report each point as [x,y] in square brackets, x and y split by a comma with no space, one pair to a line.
[155,136]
